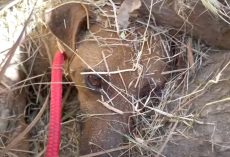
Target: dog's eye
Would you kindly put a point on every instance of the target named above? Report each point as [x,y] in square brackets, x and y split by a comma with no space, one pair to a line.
[93,81]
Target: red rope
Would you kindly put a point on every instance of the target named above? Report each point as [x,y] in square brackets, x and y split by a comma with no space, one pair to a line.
[54,135]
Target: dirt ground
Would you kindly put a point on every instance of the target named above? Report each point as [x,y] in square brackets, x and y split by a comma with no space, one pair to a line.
[190,120]
[208,134]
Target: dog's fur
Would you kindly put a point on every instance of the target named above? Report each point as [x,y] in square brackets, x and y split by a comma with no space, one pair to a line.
[102,50]
[106,57]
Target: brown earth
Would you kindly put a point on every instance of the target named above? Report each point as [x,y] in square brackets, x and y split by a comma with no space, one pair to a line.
[208,89]
[211,106]
[191,17]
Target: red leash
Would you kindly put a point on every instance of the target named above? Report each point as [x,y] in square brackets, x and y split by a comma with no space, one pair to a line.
[54,135]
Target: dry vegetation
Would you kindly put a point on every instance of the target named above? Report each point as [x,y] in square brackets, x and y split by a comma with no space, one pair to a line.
[156,121]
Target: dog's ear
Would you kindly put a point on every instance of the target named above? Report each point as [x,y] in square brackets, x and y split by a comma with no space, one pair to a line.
[65,21]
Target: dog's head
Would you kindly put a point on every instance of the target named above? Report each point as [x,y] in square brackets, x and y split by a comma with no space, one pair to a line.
[111,73]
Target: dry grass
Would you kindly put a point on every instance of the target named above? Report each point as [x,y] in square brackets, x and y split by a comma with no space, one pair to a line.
[217,8]
[157,119]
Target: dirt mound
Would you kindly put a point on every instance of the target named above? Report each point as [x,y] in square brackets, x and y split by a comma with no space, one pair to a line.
[209,102]
[209,22]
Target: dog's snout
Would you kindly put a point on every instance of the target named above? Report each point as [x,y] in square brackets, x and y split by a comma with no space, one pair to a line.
[104,134]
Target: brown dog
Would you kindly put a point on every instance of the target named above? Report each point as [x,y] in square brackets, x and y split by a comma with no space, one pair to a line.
[109,72]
